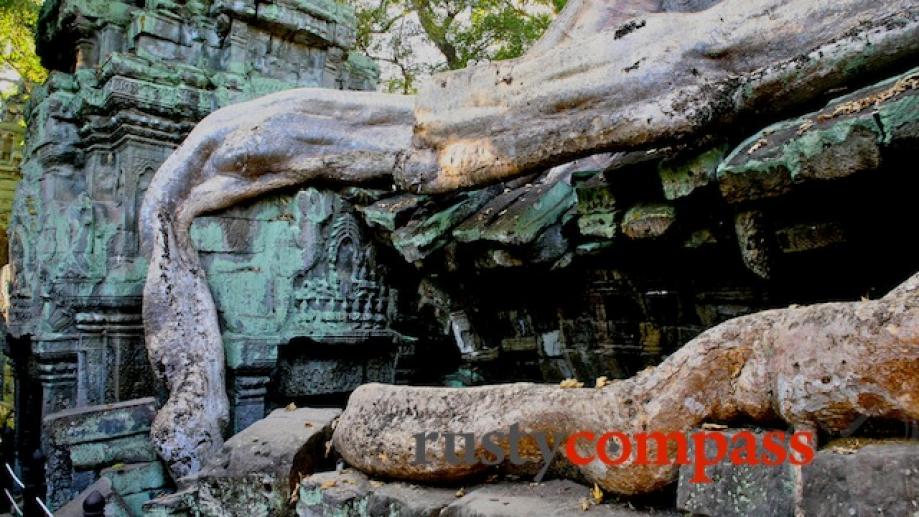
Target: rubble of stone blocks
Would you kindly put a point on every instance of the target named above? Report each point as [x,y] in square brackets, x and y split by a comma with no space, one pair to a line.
[280,466]
[876,477]
[611,199]
[110,441]
[257,470]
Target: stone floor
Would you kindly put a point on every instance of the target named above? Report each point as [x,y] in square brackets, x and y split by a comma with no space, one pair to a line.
[349,493]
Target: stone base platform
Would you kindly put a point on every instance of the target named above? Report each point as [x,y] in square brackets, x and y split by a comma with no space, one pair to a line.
[350,493]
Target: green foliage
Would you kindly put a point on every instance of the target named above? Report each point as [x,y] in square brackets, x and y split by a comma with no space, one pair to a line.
[17,41]
[500,30]
[415,38]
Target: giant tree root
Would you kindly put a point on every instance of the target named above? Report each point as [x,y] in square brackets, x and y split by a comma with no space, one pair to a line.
[816,367]
[660,79]
[236,154]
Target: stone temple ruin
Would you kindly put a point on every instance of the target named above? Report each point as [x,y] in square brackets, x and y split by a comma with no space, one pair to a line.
[138,79]
[599,267]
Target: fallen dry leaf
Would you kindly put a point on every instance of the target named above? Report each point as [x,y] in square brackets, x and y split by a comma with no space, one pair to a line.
[328,484]
[571,383]
[460,493]
[602,382]
[585,504]
[854,106]
[735,372]
[713,427]
[596,494]
[291,407]
[805,126]
[762,142]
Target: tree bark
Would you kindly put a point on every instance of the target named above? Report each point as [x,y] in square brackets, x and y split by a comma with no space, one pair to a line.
[668,77]
[662,79]
[817,367]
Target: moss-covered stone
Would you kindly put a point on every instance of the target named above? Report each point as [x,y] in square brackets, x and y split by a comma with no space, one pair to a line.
[680,178]
[851,135]
[594,194]
[421,237]
[599,225]
[391,212]
[533,209]
[135,478]
[648,221]
[135,448]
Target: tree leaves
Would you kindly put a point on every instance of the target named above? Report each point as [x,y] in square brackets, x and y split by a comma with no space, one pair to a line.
[415,38]
[17,42]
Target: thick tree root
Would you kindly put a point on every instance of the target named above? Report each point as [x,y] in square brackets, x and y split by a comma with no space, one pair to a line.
[816,367]
[237,154]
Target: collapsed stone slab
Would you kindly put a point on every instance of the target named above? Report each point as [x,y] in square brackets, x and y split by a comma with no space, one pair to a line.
[256,470]
[554,498]
[877,479]
[288,444]
[83,445]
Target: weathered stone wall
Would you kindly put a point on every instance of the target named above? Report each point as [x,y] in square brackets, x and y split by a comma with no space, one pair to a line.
[303,301]
[128,81]
[107,441]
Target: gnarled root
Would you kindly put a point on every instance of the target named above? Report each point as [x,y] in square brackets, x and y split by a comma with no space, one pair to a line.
[820,366]
[236,154]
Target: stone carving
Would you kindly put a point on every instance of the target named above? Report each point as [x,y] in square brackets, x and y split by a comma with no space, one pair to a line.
[293,277]
[339,291]
[142,75]
[482,125]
